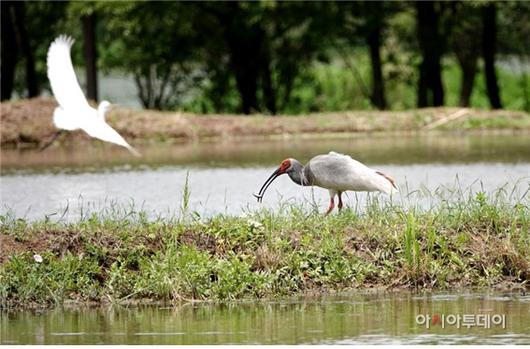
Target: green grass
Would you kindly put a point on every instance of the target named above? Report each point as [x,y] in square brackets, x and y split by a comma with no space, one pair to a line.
[117,258]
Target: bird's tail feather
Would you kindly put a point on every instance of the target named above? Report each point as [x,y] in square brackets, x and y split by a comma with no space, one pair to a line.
[393,188]
[134,151]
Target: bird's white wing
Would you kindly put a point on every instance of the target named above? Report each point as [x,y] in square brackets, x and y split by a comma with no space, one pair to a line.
[62,76]
[102,130]
[341,172]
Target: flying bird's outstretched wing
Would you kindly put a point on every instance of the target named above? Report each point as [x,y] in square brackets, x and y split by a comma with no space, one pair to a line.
[106,133]
[62,76]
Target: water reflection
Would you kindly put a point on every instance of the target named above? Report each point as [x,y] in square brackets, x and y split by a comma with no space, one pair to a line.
[349,318]
[375,149]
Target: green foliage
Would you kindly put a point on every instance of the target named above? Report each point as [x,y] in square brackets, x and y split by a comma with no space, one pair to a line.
[52,281]
[332,87]
[411,246]
[155,42]
[279,57]
[118,257]
[179,273]
[186,193]
[44,20]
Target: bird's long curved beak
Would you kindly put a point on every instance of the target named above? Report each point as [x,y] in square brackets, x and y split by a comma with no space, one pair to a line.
[268,182]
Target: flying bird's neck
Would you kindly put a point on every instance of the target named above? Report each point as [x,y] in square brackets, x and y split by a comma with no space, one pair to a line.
[102,110]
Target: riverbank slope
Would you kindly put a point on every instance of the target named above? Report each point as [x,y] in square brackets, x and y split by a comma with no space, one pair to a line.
[28,123]
[482,243]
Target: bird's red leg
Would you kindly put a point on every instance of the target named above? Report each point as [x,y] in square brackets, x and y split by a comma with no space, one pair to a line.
[331,206]
[340,201]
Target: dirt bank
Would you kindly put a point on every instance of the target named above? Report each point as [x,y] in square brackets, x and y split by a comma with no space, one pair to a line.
[29,123]
[483,244]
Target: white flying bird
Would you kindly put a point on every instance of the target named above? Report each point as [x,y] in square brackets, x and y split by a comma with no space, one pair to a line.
[74,112]
[336,172]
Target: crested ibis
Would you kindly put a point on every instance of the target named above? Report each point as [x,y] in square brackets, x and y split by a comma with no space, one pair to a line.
[336,172]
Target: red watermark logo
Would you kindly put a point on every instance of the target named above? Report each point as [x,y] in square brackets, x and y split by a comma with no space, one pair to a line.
[462,320]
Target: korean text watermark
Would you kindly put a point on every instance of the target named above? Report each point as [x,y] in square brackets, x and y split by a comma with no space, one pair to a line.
[462,320]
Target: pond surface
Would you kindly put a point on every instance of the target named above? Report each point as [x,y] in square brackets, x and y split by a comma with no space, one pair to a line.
[69,183]
[97,156]
[380,318]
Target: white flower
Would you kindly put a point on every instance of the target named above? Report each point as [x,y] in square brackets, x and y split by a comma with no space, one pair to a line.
[254,224]
[37,258]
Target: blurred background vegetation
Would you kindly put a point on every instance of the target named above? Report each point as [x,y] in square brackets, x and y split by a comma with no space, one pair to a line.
[280,57]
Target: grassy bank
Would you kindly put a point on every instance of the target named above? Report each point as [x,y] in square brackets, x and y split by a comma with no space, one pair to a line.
[29,122]
[127,257]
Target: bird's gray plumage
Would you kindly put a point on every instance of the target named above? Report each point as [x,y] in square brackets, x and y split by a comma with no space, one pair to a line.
[299,173]
[333,171]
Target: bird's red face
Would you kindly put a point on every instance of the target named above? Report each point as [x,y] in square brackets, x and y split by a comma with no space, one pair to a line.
[284,167]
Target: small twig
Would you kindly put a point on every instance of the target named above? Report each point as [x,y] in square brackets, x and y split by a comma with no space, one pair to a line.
[128,296]
[459,113]
[51,140]
[355,72]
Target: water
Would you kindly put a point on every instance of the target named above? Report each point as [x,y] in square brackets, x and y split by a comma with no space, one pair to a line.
[229,190]
[69,183]
[378,318]
[97,156]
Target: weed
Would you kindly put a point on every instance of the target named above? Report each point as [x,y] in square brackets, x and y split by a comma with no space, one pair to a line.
[474,241]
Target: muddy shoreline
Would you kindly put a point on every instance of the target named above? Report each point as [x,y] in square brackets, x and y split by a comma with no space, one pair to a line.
[28,124]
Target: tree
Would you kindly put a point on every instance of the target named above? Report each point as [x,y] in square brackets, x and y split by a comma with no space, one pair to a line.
[373,39]
[247,45]
[513,43]
[269,56]
[267,45]
[27,30]
[431,47]
[9,50]
[154,41]
[297,35]
[25,45]
[90,53]
[15,40]
[245,40]
[466,46]
[86,14]
[489,38]
[373,16]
